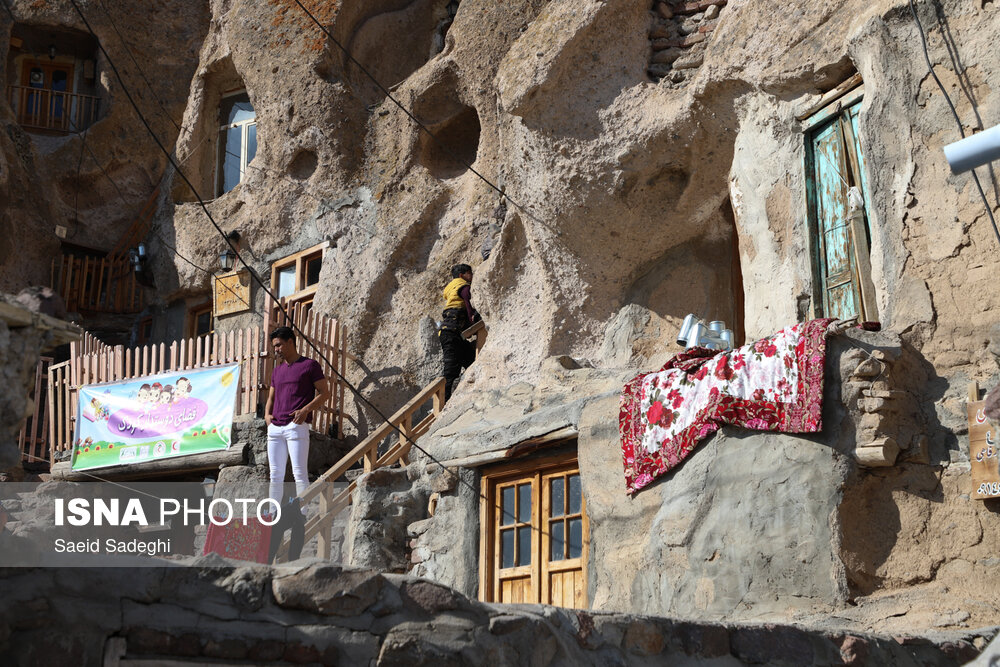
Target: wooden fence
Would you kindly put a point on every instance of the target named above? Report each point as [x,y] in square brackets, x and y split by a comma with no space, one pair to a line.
[89,284]
[93,362]
[33,438]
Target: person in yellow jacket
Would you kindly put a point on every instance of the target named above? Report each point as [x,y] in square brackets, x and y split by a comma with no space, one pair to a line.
[458,315]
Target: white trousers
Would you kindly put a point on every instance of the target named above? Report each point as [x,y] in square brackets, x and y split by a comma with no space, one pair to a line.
[284,442]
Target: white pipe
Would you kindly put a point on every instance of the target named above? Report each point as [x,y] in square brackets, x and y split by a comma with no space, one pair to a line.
[973,151]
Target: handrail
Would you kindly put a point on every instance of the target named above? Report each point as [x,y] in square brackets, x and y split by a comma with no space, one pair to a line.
[367,452]
[59,110]
[96,285]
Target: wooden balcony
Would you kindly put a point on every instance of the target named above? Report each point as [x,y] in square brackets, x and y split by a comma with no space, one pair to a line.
[91,285]
[52,111]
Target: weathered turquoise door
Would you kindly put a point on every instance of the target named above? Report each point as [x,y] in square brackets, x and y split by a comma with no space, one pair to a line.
[840,243]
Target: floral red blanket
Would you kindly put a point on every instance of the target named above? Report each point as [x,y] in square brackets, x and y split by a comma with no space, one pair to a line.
[774,384]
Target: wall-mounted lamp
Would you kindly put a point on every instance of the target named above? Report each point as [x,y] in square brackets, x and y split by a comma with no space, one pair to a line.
[52,51]
[138,257]
[973,151]
[227,258]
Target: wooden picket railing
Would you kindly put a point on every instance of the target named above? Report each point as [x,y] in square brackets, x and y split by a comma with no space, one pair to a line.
[89,284]
[93,362]
[33,439]
[366,453]
[52,110]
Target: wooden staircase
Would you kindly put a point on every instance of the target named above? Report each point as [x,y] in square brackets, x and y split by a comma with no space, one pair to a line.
[366,453]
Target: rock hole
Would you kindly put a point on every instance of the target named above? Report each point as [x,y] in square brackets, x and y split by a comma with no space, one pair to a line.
[303,165]
[455,146]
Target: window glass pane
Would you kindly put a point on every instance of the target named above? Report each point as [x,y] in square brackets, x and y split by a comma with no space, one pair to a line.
[558,500]
[286,280]
[203,323]
[236,108]
[251,142]
[229,159]
[507,497]
[524,545]
[524,503]
[557,540]
[59,79]
[507,548]
[575,538]
[313,265]
[575,494]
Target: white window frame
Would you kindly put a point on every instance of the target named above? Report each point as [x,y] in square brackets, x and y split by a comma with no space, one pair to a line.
[221,137]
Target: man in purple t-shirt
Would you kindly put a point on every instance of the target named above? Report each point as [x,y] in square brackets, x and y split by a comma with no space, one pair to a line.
[298,386]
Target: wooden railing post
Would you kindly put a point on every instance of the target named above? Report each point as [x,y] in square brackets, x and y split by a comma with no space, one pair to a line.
[325,498]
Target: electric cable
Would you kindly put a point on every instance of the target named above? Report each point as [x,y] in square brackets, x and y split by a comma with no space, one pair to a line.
[961,129]
[423,127]
[253,274]
[160,236]
[354,390]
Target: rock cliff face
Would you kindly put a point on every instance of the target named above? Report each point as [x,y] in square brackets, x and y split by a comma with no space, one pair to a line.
[671,197]
[92,180]
[651,157]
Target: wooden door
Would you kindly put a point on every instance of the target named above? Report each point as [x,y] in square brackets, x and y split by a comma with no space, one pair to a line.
[835,164]
[515,559]
[563,554]
[47,106]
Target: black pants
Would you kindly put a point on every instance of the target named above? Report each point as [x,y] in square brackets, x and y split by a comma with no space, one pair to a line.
[458,354]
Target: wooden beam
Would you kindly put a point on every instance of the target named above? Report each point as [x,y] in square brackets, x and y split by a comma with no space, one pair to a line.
[830,96]
[235,455]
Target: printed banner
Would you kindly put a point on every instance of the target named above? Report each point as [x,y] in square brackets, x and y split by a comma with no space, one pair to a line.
[155,417]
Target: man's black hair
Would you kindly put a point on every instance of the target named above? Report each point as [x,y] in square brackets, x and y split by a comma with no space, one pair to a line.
[459,269]
[284,333]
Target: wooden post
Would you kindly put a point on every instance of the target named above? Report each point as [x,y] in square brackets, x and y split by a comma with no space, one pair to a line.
[53,417]
[371,456]
[342,360]
[325,496]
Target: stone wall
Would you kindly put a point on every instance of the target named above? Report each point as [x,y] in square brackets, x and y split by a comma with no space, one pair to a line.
[679,36]
[315,613]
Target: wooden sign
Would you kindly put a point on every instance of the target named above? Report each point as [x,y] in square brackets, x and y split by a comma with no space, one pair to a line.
[984,449]
[232,293]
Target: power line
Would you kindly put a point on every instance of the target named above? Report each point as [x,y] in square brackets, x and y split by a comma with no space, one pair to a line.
[961,130]
[423,127]
[160,236]
[357,393]
[138,67]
